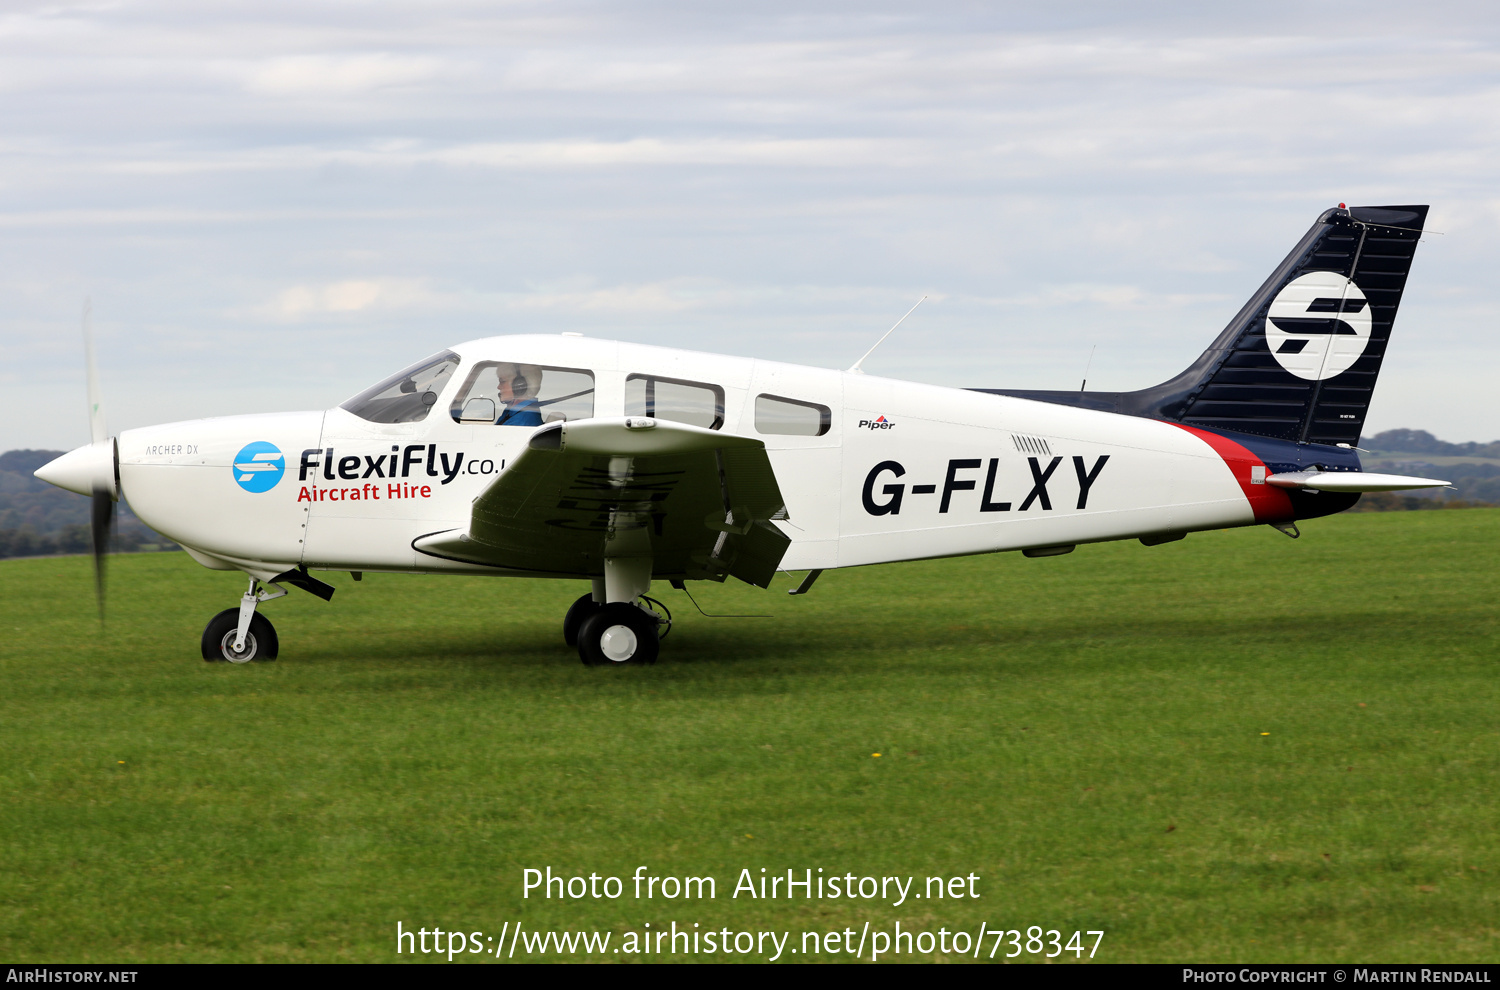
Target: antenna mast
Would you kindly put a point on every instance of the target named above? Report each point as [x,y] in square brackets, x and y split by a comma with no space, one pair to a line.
[855,369]
[1084,387]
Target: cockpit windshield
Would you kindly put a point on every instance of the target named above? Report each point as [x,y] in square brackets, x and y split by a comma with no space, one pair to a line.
[406,397]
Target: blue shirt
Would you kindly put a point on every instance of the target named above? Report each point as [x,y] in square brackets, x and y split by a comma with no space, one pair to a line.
[524,413]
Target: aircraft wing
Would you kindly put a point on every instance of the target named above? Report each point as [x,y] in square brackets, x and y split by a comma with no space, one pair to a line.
[698,502]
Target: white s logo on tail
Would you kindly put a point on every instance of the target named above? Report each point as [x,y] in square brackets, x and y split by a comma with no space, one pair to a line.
[1318,325]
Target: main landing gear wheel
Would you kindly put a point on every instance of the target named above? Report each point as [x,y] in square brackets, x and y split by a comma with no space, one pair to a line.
[218,638]
[577,612]
[618,633]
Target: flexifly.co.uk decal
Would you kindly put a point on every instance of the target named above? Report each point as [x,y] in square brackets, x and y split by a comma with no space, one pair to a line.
[403,469]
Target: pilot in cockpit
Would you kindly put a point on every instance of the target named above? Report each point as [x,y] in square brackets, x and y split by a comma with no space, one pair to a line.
[518,385]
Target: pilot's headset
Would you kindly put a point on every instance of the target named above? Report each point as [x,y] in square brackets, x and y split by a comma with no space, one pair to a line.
[528,381]
[505,370]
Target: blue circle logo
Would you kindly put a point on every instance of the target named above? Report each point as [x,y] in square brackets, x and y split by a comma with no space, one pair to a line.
[259,466]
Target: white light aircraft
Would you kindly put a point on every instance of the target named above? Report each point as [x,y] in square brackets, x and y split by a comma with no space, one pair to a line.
[622,464]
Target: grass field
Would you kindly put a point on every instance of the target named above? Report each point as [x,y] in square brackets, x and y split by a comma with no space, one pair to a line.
[1233,748]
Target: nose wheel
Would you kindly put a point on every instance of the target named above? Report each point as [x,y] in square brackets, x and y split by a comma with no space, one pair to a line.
[223,629]
[242,634]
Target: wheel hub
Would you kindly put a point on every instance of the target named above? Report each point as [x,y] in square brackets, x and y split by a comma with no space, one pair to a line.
[226,646]
[618,643]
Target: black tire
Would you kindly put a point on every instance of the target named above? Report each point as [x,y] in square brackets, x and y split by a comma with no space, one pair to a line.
[218,638]
[603,639]
[577,612]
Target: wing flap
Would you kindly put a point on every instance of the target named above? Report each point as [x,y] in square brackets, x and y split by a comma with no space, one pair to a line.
[754,556]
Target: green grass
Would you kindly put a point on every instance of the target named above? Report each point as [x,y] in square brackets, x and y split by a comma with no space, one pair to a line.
[1087,733]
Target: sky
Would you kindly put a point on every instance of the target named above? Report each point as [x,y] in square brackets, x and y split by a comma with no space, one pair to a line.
[272,205]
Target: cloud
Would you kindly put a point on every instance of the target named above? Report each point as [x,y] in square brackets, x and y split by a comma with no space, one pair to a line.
[660,297]
[533,155]
[348,296]
[1110,297]
[784,179]
[301,76]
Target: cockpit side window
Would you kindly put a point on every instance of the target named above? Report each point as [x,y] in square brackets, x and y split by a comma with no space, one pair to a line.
[509,394]
[405,397]
[694,403]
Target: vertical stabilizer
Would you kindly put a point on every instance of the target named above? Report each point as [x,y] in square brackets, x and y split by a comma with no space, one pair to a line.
[1300,360]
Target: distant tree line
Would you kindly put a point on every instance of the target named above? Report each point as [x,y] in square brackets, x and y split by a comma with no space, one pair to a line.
[1403,452]
[1422,442]
[1397,502]
[38,520]
[75,538]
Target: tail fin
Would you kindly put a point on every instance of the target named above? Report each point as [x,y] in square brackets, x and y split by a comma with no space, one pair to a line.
[1299,361]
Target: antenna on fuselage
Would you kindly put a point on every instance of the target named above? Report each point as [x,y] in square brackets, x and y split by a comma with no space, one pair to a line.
[855,369]
[1088,364]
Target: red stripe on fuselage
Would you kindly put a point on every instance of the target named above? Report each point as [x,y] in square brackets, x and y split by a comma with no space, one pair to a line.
[1269,503]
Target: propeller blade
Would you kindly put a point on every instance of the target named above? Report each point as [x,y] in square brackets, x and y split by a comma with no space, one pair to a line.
[97,431]
[102,507]
[101,524]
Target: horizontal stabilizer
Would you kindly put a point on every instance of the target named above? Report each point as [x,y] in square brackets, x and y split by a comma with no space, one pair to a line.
[1351,481]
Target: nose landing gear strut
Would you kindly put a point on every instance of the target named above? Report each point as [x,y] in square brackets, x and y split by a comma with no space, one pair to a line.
[240,635]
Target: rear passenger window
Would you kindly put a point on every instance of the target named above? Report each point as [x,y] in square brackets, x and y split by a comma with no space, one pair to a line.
[669,398]
[790,417]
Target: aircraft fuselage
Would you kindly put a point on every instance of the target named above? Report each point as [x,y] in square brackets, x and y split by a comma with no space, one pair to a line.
[904,470]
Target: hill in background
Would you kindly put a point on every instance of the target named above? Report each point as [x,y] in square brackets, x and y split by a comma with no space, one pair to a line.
[37,519]
[1422,442]
[1473,468]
